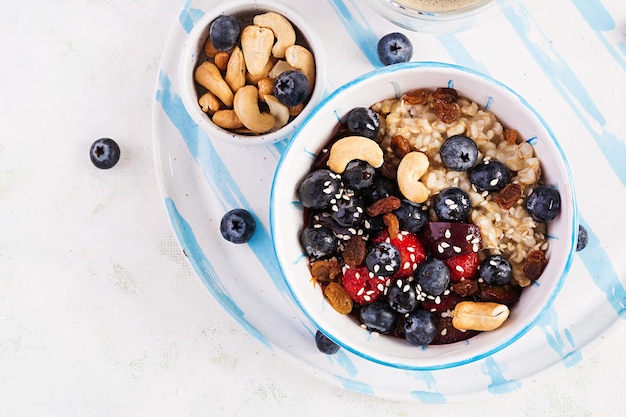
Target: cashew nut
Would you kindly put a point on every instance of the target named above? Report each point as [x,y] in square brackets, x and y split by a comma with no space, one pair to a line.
[354,147]
[221,60]
[254,79]
[247,108]
[236,70]
[256,44]
[283,31]
[209,49]
[278,110]
[480,316]
[209,102]
[227,119]
[410,170]
[209,76]
[280,67]
[302,59]
[265,86]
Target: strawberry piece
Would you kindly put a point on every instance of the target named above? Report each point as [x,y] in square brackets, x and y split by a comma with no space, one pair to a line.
[361,285]
[412,251]
[463,266]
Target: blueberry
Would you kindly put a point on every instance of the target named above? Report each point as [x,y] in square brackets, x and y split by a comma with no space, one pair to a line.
[319,188]
[394,48]
[490,175]
[402,296]
[104,153]
[318,242]
[433,276]
[378,316]
[452,204]
[324,344]
[348,210]
[358,175]
[363,121]
[495,270]
[458,153]
[543,203]
[291,88]
[381,187]
[237,226]
[583,238]
[224,33]
[411,216]
[420,328]
[382,259]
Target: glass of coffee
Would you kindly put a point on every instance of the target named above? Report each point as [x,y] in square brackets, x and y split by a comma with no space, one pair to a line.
[437,16]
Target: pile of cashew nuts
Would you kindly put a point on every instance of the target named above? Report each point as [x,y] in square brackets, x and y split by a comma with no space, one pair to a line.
[240,80]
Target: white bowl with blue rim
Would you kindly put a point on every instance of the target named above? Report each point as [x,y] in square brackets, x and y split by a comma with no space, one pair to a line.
[286,216]
[192,54]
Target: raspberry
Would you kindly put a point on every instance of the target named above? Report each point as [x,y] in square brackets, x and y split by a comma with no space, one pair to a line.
[463,266]
[412,252]
[361,285]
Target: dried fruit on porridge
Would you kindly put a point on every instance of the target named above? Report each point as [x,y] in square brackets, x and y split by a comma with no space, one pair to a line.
[393,225]
[416,97]
[509,195]
[400,146]
[338,298]
[354,251]
[446,95]
[384,206]
[325,270]
[511,135]
[465,288]
[446,112]
[535,264]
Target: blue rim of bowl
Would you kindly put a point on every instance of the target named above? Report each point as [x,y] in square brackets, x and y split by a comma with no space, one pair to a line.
[573,237]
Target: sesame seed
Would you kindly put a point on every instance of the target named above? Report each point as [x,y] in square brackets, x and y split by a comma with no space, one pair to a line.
[437,300]
[494,181]
[475,247]
[376,268]
[446,292]
[371,274]
[410,249]
[456,249]
[445,245]
[389,268]
[447,234]
[370,292]
[439,249]
[444,331]
[407,265]
[406,288]
[449,202]
[367,297]
[380,287]
[360,291]
[459,268]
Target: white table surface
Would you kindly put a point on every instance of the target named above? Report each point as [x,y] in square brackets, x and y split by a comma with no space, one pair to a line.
[100,314]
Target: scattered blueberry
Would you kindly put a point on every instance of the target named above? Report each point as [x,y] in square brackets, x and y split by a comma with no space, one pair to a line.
[224,33]
[433,276]
[411,216]
[495,270]
[291,88]
[583,238]
[104,153]
[458,153]
[378,316]
[318,242]
[348,211]
[383,259]
[363,121]
[318,188]
[419,328]
[543,203]
[324,344]
[452,204]
[394,48]
[237,226]
[490,175]
[381,188]
[402,296]
[358,175]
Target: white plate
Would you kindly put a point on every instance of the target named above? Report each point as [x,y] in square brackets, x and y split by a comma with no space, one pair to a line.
[200,180]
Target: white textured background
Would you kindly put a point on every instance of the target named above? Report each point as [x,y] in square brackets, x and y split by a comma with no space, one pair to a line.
[100,315]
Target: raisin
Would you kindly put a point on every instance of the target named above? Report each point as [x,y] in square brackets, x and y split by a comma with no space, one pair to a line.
[446,112]
[416,97]
[510,135]
[325,270]
[393,225]
[383,206]
[389,170]
[535,264]
[338,298]
[465,288]
[354,251]
[509,195]
[400,146]
[446,95]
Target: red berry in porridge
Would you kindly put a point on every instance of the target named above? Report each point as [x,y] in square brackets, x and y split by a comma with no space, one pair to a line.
[432,222]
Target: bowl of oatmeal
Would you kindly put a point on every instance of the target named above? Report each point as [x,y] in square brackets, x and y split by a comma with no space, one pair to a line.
[250,72]
[424,216]
[437,16]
